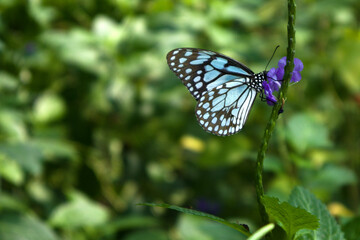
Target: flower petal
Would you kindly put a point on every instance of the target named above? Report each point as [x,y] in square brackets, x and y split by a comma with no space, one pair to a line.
[266,87]
[271,100]
[282,62]
[271,73]
[274,85]
[299,66]
[295,77]
[280,73]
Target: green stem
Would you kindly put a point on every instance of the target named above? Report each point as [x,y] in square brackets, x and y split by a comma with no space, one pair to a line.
[275,111]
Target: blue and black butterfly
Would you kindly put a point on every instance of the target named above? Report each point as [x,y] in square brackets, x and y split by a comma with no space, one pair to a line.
[224,89]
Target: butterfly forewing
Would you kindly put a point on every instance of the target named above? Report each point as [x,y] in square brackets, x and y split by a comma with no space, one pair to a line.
[203,70]
[224,88]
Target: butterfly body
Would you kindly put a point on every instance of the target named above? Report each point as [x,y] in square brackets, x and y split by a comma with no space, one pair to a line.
[224,88]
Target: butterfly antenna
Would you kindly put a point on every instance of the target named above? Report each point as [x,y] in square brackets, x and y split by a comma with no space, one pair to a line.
[272,56]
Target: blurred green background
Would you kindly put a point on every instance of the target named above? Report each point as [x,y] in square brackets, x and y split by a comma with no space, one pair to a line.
[93,122]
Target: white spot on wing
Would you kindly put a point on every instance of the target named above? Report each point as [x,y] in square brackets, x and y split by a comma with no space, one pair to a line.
[182,60]
[199,85]
[197,79]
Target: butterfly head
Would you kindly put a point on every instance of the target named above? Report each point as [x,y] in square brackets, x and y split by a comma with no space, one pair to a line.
[265,75]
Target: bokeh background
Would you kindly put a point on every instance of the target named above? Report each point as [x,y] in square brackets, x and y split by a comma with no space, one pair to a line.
[93,122]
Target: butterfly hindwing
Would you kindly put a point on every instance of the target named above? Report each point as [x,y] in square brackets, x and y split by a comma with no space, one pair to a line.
[224,109]
[202,70]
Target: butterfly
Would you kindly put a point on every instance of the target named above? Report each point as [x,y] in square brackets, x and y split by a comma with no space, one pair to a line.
[224,88]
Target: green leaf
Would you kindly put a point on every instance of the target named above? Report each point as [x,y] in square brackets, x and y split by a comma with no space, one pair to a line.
[39,191]
[197,228]
[7,81]
[15,226]
[9,202]
[289,218]
[41,14]
[79,212]
[26,155]
[48,107]
[345,58]
[328,229]
[53,149]
[148,235]
[303,132]
[12,125]
[201,214]
[11,171]
[127,223]
[262,232]
[76,47]
[331,178]
[352,229]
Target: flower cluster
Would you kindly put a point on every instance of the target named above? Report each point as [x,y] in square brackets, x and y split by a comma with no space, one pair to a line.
[275,77]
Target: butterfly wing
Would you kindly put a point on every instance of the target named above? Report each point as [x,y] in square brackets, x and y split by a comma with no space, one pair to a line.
[202,70]
[224,109]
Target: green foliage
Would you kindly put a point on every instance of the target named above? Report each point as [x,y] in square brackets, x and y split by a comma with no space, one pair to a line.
[289,218]
[89,106]
[331,178]
[235,226]
[147,234]
[198,228]
[79,212]
[7,82]
[128,222]
[351,229]
[16,226]
[16,152]
[11,171]
[304,132]
[48,108]
[8,202]
[328,228]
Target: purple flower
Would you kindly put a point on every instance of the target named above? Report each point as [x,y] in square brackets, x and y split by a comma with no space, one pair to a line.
[282,62]
[295,77]
[298,67]
[270,98]
[275,77]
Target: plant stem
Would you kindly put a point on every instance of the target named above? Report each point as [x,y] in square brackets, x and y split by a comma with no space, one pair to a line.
[275,111]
